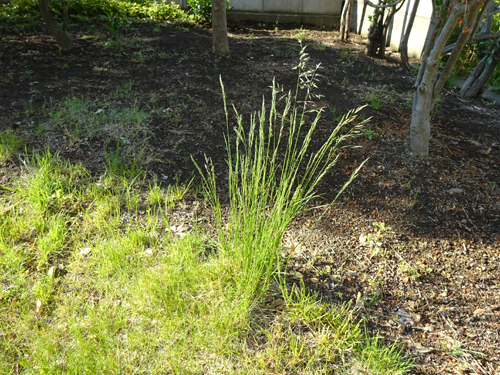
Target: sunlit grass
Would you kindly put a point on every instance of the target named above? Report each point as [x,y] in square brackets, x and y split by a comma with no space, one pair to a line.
[93,279]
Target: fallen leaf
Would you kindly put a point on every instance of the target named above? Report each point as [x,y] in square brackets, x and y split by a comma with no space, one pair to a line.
[479,312]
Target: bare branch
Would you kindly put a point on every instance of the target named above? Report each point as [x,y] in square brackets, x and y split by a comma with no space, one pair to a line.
[476,38]
[486,5]
[383,6]
[492,12]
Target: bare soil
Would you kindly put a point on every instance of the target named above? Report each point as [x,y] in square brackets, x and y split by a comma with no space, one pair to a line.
[431,281]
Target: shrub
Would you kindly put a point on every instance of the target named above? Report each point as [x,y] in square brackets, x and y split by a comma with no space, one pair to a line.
[202,9]
[23,10]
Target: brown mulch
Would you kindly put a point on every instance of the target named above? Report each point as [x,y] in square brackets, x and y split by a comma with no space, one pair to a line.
[430,281]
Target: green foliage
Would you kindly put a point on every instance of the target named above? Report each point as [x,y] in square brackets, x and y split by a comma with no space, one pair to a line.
[202,9]
[25,10]
[374,101]
[112,23]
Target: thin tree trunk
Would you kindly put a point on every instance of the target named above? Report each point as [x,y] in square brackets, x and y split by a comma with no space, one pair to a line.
[480,75]
[373,39]
[219,27]
[429,81]
[345,21]
[420,127]
[362,18]
[385,29]
[60,36]
[403,46]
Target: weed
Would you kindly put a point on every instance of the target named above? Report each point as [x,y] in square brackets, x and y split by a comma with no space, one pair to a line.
[112,22]
[9,143]
[28,108]
[319,47]
[336,114]
[369,133]
[40,129]
[374,240]
[413,197]
[368,72]
[138,57]
[405,268]
[374,101]
[118,163]
[300,36]
[437,105]
[7,78]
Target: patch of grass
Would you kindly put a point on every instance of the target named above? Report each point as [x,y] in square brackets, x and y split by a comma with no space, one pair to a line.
[81,118]
[166,197]
[9,143]
[119,163]
[377,357]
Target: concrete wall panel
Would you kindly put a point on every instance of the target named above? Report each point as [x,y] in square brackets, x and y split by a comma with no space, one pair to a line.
[247,5]
[330,7]
[283,6]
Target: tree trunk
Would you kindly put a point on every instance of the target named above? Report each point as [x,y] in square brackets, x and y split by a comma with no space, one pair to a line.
[430,81]
[403,46]
[219,27]
[65,16]
[373,40]
[345,21]
[60,36]
[481,73]
[362,18]
[385,29]
[377,34]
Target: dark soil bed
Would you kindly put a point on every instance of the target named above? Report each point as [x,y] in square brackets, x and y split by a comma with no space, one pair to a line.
[426,275]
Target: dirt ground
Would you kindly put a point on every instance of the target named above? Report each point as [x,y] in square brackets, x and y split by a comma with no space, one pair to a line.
[426,275]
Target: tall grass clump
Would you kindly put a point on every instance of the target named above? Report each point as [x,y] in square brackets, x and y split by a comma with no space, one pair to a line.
[273,173]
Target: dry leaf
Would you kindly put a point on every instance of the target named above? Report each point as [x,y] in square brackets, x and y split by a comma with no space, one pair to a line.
[479,312]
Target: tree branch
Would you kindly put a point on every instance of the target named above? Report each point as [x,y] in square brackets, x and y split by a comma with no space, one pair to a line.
[383,6]
[476,38]
[480,18]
